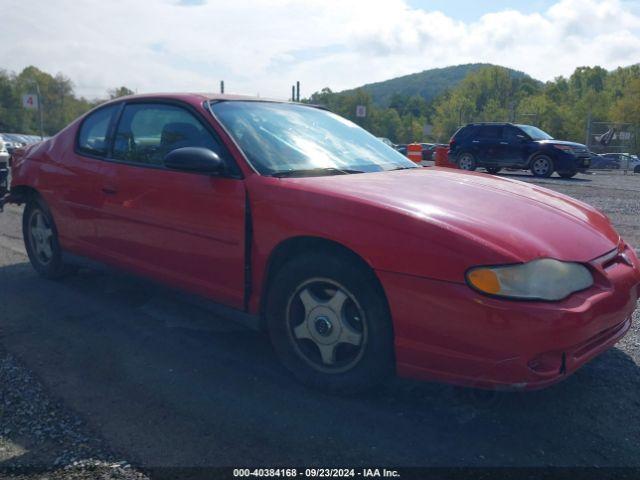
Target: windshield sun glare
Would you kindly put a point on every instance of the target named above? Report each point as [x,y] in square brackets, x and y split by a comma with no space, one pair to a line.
[284,137]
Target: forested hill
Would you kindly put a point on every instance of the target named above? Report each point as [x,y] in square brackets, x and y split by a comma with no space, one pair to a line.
[428,84]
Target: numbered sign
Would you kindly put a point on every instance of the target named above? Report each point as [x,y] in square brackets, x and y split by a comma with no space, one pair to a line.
[361,111]
[30,101]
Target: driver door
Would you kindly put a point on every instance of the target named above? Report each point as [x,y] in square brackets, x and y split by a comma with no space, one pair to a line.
[183,228]
[514,145]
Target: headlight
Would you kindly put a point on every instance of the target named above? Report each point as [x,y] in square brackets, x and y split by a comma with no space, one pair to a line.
[543,279]
[565,148]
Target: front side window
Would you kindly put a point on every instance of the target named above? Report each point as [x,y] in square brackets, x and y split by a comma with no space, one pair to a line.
[535,133]
[512,135]
[92,138]
[146,133]
[292,139]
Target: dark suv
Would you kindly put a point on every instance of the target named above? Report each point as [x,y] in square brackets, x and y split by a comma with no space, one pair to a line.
[494,146]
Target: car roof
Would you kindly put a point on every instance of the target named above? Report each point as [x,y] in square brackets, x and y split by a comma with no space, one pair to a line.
[197,97]
[487,123]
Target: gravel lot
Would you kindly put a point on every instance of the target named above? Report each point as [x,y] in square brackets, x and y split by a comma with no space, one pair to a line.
[103,368]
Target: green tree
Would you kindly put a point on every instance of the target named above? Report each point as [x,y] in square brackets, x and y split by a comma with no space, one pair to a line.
[120,92]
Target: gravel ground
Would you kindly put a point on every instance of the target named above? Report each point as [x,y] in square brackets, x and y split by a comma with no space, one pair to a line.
[133,373]
[38,432]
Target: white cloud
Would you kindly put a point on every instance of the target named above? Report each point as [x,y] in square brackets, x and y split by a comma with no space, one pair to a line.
[265,46]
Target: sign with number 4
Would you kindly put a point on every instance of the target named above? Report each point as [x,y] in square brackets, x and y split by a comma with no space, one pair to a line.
[30,101]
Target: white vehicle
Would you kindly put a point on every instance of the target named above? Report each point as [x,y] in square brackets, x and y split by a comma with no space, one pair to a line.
[4,169]
[626,161]
[4,154]
[631,162]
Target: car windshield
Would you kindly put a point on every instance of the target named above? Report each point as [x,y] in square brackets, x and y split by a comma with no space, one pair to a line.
[283,139]
[535,133]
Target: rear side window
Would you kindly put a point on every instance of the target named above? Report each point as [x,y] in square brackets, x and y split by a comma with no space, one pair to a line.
[147,132]
[490,131]
[93,137]
[464,132]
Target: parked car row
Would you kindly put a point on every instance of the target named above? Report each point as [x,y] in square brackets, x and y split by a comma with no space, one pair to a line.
[495,146]
[9,142]
[17,140]
[615,161]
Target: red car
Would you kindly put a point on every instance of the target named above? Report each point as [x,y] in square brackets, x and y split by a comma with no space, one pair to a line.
[358,263]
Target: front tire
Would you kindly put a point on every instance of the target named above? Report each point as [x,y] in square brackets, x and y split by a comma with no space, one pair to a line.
[493,170]
[542,166]
[329,323]
[567,174]
[466,161]
[41,240]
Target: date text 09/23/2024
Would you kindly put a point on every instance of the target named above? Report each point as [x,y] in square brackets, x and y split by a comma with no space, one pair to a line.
[316,473]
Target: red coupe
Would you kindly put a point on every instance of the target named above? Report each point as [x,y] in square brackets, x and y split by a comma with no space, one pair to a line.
[358,263]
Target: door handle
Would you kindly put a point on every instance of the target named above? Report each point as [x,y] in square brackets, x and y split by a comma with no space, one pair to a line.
[109,190]
[504,143]
[475,141]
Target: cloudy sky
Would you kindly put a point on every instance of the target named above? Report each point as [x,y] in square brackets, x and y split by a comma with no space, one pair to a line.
[263,46]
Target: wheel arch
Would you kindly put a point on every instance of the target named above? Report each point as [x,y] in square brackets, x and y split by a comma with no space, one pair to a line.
[20,194]
[464,150]
[300,245]
[543,152]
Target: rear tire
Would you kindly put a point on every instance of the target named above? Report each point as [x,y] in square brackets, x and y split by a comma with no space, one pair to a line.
[542,166]
[466,161]
[493,170]
[41,240]
[329,323]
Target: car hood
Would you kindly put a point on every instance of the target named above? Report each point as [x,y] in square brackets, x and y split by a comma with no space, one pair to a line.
[517,220]
[561,142]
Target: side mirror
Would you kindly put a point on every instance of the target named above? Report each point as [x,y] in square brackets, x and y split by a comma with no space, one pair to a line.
[522,138]
[194,159]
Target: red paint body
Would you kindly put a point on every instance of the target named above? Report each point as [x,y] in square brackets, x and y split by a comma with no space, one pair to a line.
[418,229]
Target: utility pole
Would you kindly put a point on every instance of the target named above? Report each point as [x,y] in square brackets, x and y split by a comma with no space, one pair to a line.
[588,129]
[221,86]
[293,93]
[35,82]
[298,91]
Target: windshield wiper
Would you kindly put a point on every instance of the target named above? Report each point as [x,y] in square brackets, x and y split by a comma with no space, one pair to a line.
[402,168]
[310,172]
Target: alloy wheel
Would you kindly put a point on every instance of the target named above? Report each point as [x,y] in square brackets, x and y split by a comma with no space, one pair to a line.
[541,166]
[41,236]
[466,162]
[327,325]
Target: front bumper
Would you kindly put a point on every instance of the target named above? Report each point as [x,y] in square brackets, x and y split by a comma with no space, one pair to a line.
[447,332]
[568,162]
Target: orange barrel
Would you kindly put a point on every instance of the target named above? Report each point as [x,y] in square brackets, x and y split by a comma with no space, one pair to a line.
[414,152]
[442,157]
